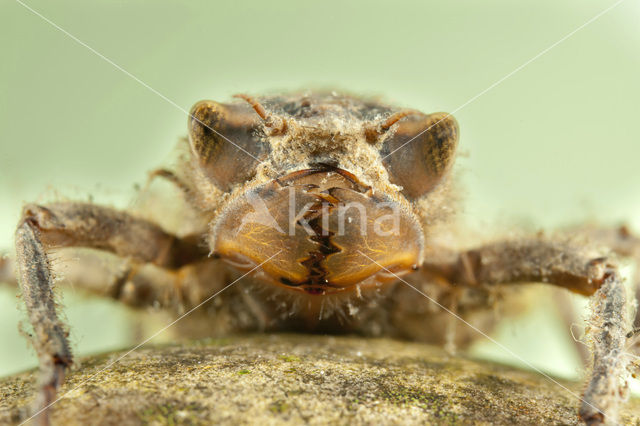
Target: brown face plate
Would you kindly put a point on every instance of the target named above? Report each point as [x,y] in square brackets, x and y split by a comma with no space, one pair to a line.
[323,227]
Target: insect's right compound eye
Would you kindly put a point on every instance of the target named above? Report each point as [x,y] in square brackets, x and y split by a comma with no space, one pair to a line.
[225,139]
[420,153]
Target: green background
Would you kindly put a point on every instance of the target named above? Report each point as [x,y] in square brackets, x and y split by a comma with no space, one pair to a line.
[556,143]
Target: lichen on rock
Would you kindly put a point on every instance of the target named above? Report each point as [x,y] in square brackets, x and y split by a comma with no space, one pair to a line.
[293,379]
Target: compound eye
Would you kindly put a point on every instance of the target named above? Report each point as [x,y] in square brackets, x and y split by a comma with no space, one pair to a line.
[420,153]
[226,141]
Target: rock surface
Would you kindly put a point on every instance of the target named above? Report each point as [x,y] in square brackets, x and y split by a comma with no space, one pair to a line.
[276,379]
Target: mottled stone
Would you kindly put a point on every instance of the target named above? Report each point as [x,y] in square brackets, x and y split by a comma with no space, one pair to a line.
[275,379]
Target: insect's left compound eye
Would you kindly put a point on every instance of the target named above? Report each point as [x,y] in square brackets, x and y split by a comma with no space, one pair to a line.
[420,152]
[226,141]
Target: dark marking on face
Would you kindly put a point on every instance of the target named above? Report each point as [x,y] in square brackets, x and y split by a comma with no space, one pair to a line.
[317,282]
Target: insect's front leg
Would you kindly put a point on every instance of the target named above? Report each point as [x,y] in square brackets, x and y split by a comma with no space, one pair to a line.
[81,225]
[623,243]
[50,334]
[578,269]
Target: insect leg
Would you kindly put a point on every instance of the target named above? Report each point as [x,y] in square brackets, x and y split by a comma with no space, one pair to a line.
[50,334]
[83,225]
[171,177]
[139,285]
[608,335]
[577,268]
[623,243]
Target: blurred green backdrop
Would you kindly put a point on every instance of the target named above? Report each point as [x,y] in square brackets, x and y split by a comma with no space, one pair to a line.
[558,142]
